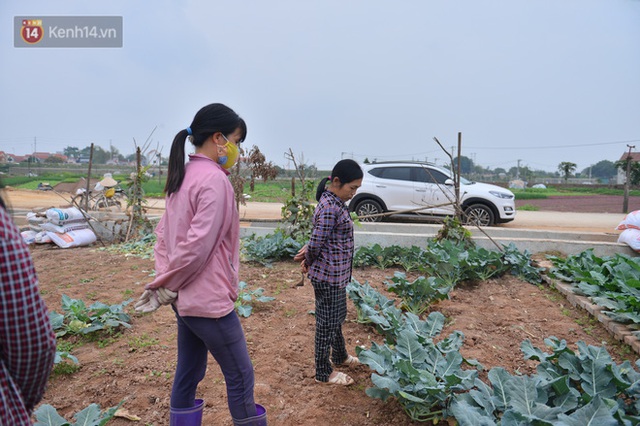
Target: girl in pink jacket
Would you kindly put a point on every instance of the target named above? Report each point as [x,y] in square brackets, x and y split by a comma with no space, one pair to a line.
[197,260]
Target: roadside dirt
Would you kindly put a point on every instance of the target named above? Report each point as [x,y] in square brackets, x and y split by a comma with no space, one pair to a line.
[136,365]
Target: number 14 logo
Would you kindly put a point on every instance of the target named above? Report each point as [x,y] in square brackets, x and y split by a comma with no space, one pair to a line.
[31,31]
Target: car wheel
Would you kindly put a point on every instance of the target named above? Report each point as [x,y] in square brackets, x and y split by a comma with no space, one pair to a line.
[369,207]
[479,214]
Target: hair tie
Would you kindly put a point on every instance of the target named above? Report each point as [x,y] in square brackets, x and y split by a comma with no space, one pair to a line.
[189,131]
[329,178]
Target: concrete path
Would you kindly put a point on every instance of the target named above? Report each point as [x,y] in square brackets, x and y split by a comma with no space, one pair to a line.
[561,221]
[536,231]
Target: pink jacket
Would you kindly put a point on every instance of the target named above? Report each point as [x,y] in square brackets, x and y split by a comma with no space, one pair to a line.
[198,242]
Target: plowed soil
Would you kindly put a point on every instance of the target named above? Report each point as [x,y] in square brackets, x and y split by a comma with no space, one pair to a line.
[583,204]
[136,365]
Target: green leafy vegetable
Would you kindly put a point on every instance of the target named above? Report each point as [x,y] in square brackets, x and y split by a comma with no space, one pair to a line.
[80,319]
[246,297]
[47,415]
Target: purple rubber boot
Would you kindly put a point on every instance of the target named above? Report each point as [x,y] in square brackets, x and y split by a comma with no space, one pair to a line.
[260,419]
[187,416]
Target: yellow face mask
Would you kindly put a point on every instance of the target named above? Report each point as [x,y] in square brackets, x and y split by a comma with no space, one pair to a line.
[229,160]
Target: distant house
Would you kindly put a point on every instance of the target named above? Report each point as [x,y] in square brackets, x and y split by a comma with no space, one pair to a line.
[62,157]
[621,178]
[5,158]
[38,157]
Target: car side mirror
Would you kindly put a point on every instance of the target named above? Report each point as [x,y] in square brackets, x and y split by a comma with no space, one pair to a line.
[449,182]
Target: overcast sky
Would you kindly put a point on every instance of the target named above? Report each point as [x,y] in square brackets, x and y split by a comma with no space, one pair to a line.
[541,81]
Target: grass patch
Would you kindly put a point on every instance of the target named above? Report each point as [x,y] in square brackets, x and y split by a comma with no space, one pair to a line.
[108,340]
[64,369]
[529,207]
[530,194]
[144,341]
[542,193]
[271,191]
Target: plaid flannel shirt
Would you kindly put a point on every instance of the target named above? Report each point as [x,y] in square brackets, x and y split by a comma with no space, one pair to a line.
[27,342]
[330,249]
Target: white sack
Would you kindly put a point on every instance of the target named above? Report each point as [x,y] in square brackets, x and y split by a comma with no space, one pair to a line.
[81,237]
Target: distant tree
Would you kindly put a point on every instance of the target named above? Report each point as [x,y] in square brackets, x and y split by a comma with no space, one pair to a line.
[54,159]
[480,170]
[526,173]
[544,173]
[114,154]
[466,164]
[71,151]
[310,170]
[100,156]
[499,170]
[602,170]
[366,160]
[634,179]
[566,168]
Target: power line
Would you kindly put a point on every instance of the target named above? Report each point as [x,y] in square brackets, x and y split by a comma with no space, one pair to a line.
[554,146]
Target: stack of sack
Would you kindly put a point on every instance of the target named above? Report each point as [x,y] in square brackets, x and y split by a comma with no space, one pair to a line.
[630,228]
[64,227]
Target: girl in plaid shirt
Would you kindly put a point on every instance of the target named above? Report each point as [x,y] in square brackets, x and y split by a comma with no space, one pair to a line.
[327,258]
[27,342]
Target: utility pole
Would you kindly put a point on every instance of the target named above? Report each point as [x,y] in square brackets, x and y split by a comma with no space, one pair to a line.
[625,203]
[457,180]
[518,170]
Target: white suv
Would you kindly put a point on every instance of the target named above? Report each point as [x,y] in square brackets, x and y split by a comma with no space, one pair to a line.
[404,187]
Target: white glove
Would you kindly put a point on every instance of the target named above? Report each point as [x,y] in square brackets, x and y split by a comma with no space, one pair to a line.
[165,296]
[153,299]
[148,302]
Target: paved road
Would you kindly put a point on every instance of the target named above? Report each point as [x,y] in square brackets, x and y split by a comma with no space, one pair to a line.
[556,221]
[550,220]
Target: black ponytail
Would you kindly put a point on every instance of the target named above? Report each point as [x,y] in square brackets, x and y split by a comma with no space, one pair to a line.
[175,171]
[209,120]
[321,188]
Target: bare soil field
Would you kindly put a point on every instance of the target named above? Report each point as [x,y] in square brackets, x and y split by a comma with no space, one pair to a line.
[136,365]
[583,204]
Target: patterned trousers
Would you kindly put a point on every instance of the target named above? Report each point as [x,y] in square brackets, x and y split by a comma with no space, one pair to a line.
[331,311]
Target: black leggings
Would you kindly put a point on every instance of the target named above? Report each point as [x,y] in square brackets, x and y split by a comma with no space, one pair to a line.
[224,339]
